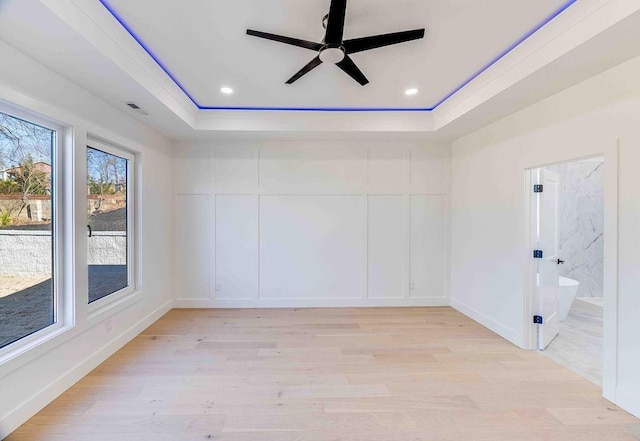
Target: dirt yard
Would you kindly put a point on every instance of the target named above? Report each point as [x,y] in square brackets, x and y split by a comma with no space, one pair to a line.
[13,284]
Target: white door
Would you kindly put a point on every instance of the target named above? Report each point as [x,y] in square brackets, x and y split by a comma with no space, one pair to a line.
[547,241]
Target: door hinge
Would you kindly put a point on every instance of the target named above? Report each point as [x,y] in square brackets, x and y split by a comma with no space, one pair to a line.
[537,254]
[537,319]
[538,188]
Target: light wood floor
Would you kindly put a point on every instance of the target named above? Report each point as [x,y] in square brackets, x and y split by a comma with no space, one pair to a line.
[413,374]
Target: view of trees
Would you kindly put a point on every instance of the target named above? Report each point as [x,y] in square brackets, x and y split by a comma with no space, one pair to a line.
[9,187]
[25,162]
[25,170]
[30,181]
[107,175]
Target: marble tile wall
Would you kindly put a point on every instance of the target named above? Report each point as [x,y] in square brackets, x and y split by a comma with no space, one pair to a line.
[582,223]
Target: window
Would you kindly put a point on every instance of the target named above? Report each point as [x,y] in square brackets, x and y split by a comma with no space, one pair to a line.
[109,215]
[28,295]
[40,268]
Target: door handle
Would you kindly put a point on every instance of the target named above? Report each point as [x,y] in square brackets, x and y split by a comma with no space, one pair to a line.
[560,262]
[90,230]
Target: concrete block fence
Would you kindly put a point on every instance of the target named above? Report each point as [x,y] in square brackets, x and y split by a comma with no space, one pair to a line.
[28,253]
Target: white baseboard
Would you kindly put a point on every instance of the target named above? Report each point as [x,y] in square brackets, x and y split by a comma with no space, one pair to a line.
[307,303]
[628,401]
[497,327]
[45,396]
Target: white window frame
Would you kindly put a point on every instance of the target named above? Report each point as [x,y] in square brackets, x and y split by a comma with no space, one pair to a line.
[111,300]
[63,298]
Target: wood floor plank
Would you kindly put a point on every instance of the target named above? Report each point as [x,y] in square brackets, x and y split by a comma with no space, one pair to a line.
[401,421]
[346,374]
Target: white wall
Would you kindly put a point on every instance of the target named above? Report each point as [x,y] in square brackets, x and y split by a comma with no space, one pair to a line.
[31,380]
[488,211]
[310,223]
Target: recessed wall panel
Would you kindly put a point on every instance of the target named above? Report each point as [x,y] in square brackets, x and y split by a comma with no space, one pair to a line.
[236,168]
[385,247]
[192,169]
[387,168]
[429,170]
[311,247]
[236,247]
[194,247]
[302,170]
[428,246]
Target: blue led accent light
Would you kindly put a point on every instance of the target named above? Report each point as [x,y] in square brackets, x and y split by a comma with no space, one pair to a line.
[162,66]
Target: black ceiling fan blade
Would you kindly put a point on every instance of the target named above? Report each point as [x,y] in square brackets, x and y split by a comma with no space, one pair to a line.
[376,41]
[286,40]
[305,70]
[335,23]
[352,70]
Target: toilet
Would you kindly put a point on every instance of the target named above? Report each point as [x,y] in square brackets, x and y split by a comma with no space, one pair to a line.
[567,292]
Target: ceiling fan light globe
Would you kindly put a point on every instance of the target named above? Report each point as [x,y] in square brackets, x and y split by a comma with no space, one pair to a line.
[332,55]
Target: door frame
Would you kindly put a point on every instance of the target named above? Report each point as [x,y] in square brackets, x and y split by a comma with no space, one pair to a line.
[608,150]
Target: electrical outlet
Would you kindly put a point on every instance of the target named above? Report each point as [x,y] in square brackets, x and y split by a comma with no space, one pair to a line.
[412,285]
[109,325]
[218,287]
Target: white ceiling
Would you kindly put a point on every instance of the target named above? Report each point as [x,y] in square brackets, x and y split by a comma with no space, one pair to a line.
[205,46]
[203,43]
[34,29]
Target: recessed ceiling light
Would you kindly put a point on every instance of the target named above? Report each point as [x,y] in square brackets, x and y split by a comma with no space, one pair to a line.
[410,92]
[226,90]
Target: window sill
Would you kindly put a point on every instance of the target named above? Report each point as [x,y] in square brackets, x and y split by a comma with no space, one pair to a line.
[113,304]
[25,353]
[57,335]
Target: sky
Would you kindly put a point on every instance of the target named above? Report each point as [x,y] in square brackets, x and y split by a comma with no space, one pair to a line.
[19,138]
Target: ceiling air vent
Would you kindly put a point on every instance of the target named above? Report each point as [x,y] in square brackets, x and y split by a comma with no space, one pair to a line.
[137,108]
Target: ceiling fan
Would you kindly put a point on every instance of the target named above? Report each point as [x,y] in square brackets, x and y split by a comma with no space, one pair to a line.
[333,49]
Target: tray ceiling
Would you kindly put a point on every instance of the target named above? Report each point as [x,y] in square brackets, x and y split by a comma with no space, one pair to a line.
[203,47]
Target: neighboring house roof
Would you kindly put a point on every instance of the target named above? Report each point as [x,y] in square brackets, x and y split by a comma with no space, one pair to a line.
[39,166]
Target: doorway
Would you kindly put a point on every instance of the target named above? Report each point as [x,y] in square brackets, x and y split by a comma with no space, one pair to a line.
[568,237]
[557,155]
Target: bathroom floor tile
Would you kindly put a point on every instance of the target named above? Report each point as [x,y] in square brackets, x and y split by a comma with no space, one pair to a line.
[579,344]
